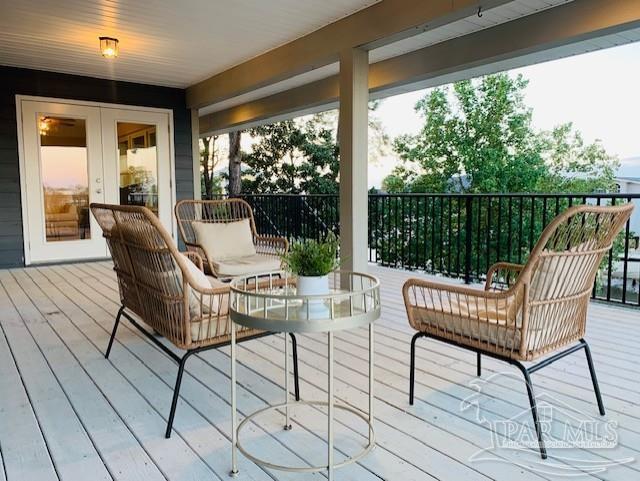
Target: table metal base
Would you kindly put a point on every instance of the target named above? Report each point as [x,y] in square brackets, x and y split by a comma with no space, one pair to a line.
[288,405]
[306,469]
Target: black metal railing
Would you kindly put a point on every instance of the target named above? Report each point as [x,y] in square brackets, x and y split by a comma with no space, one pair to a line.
[457,235]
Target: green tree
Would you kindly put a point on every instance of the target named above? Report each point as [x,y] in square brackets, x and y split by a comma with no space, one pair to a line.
[477,137]
[292,156]
[210,157]
[302,155]
[574,166]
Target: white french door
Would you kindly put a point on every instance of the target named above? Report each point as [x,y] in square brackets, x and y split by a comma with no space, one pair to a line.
[74,155]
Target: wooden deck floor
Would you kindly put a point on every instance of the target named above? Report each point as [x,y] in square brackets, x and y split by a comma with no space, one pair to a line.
[67,413]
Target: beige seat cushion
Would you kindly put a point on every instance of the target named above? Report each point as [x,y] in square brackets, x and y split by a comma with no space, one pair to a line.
[222,240]
[489,323]
[243,266]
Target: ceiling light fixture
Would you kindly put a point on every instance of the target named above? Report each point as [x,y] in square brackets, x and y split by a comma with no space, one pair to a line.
[109,47]
[44,125]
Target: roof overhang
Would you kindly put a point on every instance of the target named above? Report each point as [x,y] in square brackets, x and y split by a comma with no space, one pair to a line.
[380,24]
[554,33]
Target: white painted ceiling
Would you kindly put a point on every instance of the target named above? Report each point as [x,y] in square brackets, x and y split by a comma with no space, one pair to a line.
[164,42]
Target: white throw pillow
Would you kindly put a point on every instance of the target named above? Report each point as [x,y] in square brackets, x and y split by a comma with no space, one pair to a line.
[225,240]
[201,278]
[210,304]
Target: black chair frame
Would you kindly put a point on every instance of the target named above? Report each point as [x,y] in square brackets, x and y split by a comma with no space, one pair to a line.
[526,372]
[181,361]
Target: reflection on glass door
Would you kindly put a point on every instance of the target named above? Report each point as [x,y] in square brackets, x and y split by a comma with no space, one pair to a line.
[138,165]
[65,177]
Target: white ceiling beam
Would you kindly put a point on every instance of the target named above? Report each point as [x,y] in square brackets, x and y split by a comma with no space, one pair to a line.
[382,23]
[571,23]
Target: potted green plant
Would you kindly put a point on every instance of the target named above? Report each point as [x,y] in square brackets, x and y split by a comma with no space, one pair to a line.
[312,261]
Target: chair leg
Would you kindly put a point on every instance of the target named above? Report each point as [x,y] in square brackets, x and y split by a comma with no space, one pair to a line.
[176,393]
[113,333]
[534,409]
[412,365]
[594,379]
[479,364]
[296,380]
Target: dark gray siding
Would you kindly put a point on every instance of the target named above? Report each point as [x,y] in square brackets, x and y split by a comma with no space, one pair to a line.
[47,84]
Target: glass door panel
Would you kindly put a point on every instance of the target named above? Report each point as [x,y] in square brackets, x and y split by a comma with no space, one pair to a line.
[138,163]
[65,177]
[74,155]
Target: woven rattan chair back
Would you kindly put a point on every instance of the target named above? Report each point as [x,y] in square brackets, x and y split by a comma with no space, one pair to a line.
[559,276]
[150,276]
[189,212]
[211,212]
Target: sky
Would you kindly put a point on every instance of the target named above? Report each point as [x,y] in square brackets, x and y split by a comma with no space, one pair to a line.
[599,92]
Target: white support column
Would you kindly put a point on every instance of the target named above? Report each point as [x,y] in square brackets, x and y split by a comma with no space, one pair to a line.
[195,149]
[353,139]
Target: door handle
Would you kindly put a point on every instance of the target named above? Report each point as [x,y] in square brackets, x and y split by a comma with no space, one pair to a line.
[98,191]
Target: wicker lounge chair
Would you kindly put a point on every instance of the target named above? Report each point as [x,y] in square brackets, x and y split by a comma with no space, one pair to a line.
[167,290]
[263,255]
[525,311]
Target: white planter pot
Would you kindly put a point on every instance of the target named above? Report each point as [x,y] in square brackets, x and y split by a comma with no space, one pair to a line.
[313,286]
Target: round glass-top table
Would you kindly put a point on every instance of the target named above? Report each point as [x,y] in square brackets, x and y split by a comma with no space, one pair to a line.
[271,302]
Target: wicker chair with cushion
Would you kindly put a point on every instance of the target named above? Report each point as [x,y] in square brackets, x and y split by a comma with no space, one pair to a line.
[167,290]
[525,311]
[223,232]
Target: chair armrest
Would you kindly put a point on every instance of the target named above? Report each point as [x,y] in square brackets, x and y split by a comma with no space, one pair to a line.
[195,258]
[271,245]
[471,303]
[502,275]
[432,292]
[483,319]
[210,322]
[206,262]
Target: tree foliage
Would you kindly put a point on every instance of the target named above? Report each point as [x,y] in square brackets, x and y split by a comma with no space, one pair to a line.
[210,157]
[302,155]
[292,156]
[477,137]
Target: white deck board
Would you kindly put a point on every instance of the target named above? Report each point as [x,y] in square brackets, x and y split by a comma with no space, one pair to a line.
[119,448]
[24,452]
[56,322]
[181,457]
[72,450]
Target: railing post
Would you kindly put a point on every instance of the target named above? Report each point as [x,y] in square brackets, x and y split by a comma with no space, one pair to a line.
[468,212]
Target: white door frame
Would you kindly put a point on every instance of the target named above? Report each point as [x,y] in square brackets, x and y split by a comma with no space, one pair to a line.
[21,155]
